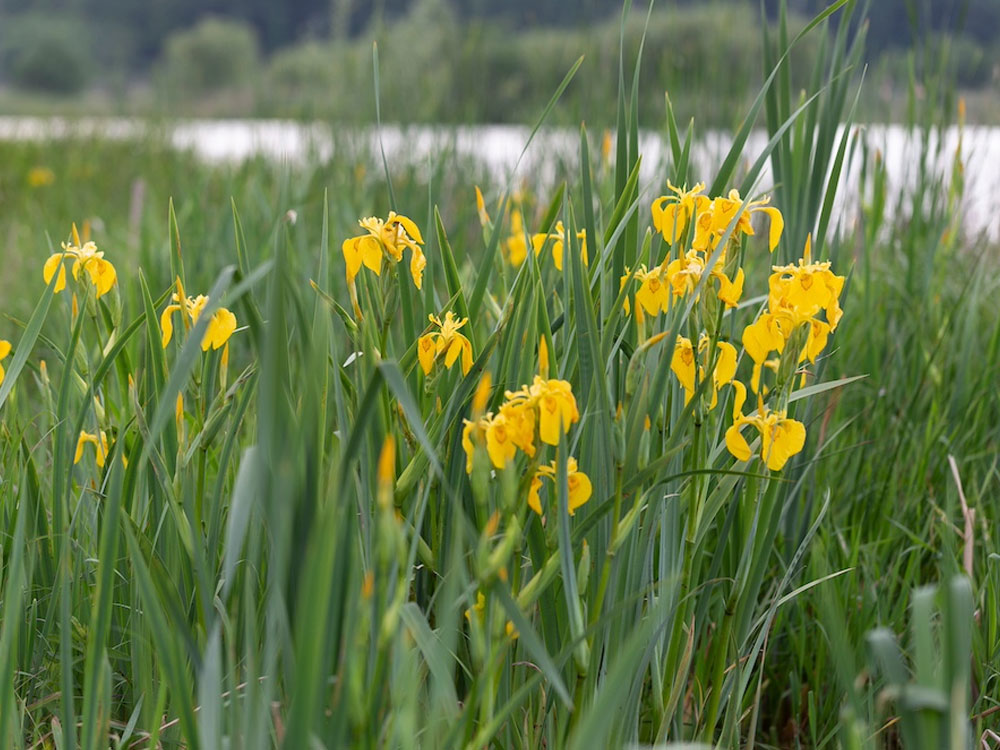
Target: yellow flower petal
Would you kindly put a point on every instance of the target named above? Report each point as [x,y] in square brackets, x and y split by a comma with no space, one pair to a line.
[220,328]
[53,264]
[408,225]
[580,490]
[730,291]
[534,501]
[371,254]
[777,226]
[499,446]
[737,444]
[167,324]
[427,351]
[353,255]
[788,437]
[725,364]
[417,264]
[682,364]
[466,355]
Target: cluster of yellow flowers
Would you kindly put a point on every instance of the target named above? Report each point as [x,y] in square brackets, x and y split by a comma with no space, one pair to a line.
[546,408]
[797,293]
[102,276]
[712,216]
[673,217]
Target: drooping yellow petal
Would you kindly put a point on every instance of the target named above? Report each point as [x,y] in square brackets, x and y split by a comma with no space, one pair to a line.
[819,333]
[417,264]
[220,328]
[534,501]
[580,490]
[353,256]
[53,264]
[777,226]
[651,294]
[167,324]
[725,364]
[4,348]
[103,275]
[730,291]
[739,398]
[682,364]
[549,420]
[102,449]
[371,253]
[499,446]
[787,438]
[737,444]
[427,351]
[670,222]
[81,441]
[466,354]
[557,254]
[454,349]
[762,337]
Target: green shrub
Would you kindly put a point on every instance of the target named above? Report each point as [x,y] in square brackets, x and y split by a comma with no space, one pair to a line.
[213,55]
[43,54]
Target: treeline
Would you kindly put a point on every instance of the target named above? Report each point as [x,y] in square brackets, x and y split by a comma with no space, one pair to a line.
[448,60]
[128,32]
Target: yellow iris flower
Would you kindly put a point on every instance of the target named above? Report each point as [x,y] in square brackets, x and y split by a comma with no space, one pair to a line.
[448,341]
[797,293]
[558,238]
[521,420]
[684,273]
[220,327]
[683,365]
[548,405]
[557,408]
[86,257]
[580,488]
[653,293]
[807,288]
[724,209]
[780,437]
[390,237]
[4,351]
[671,213]
[100,446]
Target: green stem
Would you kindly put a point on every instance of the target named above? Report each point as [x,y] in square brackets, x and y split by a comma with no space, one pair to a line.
[718,671]
[606,567]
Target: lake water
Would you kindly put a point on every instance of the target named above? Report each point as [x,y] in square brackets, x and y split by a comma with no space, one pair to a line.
[499,147]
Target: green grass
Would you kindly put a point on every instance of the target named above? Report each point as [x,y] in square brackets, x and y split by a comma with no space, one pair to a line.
[249,578]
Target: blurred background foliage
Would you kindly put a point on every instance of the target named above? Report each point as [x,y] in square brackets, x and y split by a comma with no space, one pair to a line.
[449,60]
